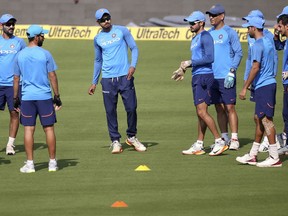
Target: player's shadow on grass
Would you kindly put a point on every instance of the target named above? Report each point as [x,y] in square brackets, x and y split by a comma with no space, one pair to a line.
[4,161]
[146,144]
[21,148]
[62,164]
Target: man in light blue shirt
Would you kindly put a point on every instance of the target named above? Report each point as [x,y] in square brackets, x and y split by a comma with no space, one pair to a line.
[263,78]
[36,67]
[111,58]
[228,55]
[202,57]
[10,45]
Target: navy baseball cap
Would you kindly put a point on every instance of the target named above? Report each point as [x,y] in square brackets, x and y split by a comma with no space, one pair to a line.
[100,12]
[35,30]
[195,16]
[6,17]
[254,13]
[285,11]
[216,9]
[254,21]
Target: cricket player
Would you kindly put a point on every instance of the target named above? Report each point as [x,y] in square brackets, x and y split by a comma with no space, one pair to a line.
[111,58]
[202,57]
[282,29]
[37,68]
[228,55]
[10,45]
[263,78]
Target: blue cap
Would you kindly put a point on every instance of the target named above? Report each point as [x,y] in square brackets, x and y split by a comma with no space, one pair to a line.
[100,12]
[6,17]
[254,13]
[35,30]
[255,21]
[285,11]
[195,16]
[216,9]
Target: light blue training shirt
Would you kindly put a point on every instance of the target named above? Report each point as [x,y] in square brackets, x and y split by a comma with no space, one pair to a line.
[8,51]
[263,51]
[111,53]
[251,42]
[202,49]
[33,64]
[228,51]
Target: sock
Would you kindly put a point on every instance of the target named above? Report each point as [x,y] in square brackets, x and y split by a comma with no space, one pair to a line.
[29,162]
[234,136]
[218,140]
[225,136]
[11,141]
[254,149]
[200,142]
[52,160]
[273,151]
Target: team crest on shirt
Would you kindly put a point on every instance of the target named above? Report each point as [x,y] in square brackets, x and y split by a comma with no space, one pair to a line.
[113,35]
[220,36]
[12,46]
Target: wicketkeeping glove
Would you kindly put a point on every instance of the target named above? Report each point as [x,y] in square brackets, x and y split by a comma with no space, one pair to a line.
[178,74]
[284,75]
[16,102]
[57,101]
[229,80]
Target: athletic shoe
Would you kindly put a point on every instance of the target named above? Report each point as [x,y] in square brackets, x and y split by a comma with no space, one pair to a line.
[195,149]
[133,141]
[10,149]
[281,138]
[52,166]
[27,168]
[270,162]
[247,159]
[283,150]
[218,148]
[116,147]
[234,144]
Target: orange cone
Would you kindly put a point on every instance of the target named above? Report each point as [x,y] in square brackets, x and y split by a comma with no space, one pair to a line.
[119,204]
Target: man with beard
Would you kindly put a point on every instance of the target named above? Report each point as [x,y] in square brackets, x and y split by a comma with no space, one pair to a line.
[111,58]
[36,67]
[202,57]
[10,45]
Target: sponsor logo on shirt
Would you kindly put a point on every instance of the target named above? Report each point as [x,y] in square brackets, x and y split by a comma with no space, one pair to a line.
[8,51]
[108,42]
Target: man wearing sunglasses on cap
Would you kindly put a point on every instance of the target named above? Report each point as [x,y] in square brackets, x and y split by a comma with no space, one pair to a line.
[228,55]
[111,58]
[10,45]
[202,57]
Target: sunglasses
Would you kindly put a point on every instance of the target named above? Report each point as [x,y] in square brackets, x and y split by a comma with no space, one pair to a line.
[214,15]
[104,19]
[193,23]
[9,24]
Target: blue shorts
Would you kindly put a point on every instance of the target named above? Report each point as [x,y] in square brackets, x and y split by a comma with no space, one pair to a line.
[6,96]
[265,100]
[43,108]
[220,94]
[201,87]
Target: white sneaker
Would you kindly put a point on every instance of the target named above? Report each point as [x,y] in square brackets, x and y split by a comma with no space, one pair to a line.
[283,150]
[281,138]
[27,168]
[10,149]
[247,159]
[133,141]
[195,149]
[52,166]
[270,162]
[264,146]
[218,148]
[234,144]
[116,147]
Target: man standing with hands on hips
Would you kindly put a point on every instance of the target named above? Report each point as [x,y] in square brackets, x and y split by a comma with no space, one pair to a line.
[111,58]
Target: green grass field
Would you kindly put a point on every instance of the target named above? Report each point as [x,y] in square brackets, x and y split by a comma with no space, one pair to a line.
[91,179]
